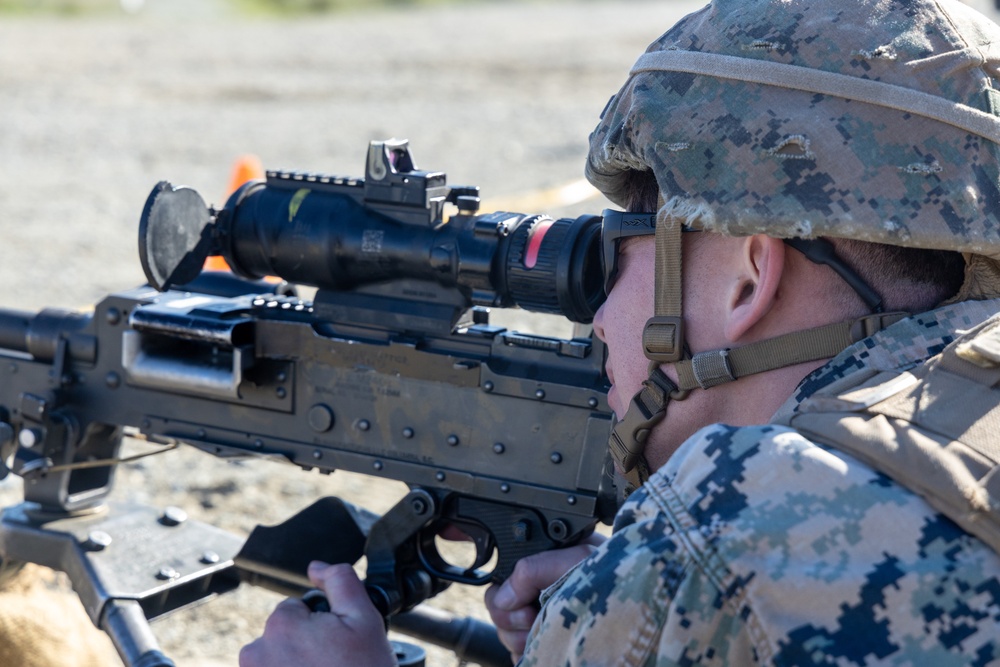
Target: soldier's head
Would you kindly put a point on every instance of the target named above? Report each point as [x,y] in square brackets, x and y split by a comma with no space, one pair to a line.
[838,159]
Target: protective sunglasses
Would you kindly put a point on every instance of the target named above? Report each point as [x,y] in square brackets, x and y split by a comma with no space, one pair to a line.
[620,225]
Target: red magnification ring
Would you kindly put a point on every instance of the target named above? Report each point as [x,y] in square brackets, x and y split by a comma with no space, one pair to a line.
[535,238]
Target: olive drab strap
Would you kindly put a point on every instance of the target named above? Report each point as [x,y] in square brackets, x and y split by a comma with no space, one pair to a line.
[662,341]
[935,429]
[708,369]
[663,335]
[628,437]
[822,82]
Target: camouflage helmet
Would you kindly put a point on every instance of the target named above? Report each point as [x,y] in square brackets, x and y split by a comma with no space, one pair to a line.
[874,120]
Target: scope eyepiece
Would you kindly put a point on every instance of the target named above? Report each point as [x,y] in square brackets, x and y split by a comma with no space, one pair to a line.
[551,266]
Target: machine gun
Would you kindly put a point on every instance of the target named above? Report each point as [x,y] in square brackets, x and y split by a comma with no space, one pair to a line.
[392,370]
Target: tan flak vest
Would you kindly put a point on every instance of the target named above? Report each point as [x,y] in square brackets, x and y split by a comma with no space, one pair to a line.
[934,429]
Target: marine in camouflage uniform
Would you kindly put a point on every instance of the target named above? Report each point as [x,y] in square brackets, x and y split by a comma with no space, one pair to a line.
[754,545]
[874,121]
[865,121]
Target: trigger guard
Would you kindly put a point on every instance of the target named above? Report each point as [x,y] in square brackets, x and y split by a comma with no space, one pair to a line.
[438,567]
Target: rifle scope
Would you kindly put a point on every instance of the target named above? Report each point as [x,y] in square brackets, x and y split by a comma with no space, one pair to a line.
[339,234]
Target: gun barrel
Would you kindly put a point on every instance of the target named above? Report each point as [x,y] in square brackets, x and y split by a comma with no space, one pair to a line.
[14,326]
[41,334]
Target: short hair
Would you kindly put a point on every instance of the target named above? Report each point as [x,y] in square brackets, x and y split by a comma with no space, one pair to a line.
[907,279]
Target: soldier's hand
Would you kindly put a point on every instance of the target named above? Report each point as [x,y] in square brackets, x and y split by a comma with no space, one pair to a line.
[351,633]
[514,605]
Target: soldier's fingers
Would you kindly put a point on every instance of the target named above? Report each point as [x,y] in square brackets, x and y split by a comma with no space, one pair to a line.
[535,573]
[514,642]
[286,616]
[520,619]
[345,592]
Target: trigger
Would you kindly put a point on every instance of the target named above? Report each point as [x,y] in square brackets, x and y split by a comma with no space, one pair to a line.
[484,542]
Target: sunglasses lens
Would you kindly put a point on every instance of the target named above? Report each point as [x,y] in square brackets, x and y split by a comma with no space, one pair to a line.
[616,226]
[611,269]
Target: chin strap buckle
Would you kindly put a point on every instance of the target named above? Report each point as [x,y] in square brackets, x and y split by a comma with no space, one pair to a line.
[662,339]
[869,325]
[628,437]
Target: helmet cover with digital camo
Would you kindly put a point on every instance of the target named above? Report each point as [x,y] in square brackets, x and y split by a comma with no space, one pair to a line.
[873,120]
[879,120]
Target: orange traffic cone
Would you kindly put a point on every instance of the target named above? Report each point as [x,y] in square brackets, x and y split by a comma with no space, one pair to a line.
[246,168]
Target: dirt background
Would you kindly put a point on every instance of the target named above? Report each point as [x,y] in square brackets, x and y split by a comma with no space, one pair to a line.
[93,112]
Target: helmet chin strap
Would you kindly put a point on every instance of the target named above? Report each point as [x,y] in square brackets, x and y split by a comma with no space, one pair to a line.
[628,436]
[663,342]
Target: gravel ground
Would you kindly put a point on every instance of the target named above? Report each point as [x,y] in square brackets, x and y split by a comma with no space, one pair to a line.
[95,112]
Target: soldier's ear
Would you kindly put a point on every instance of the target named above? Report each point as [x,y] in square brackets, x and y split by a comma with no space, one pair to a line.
[755,290]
